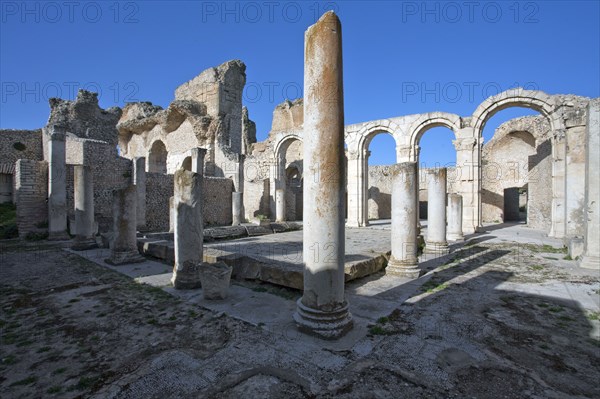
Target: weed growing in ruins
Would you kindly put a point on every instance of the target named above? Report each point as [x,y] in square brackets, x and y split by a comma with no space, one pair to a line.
[593,315]
[9,360]
[25,381]
[432,286]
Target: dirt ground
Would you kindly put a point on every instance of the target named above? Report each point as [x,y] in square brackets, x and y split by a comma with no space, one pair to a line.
[493,322]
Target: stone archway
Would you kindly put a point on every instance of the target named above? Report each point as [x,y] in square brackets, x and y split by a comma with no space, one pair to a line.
[418,128]
[278,176]
[358,167]
[545,105]
[157,158]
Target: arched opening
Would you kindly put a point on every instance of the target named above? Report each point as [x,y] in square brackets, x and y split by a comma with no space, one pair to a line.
[516,174]
[435,150]
[6,188]
[515,204]
[294,192]
[157,158]
[380,153]
[187,163]
[289,155]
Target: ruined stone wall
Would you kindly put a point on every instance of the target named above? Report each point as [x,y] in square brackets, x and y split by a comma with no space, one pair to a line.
[31,192]
[159,188]
[84,118]
[257,170]
[20,144]
[380,191]
[217,201]
[216,206]
[109,172]
[519,155]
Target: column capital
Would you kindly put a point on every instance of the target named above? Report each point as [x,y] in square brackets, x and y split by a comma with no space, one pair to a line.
[466,144]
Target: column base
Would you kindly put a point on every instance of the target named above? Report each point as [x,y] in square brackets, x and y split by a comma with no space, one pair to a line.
[124,257]
[58,236]
[323,324]
[403,268]
[436,248]
[590,262]
[82,244]
[187,277]
[455,237]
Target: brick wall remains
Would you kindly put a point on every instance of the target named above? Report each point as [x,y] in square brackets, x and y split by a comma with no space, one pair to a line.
[31,192]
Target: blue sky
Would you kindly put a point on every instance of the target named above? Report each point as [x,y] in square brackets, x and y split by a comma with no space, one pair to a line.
[400,57]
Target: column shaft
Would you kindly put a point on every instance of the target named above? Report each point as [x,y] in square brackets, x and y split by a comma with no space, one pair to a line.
[435,242]
[57,186]
[323,310]
[84,208]
[455,216]
[403,260]
[124,245]
[280,205]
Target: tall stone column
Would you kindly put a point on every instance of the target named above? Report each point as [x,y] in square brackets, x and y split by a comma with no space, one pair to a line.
[455,213]
[559,187]
[591,254]
[139,180]
[280,205]
[435,242]
[468,177]
[84,209]
[276,182]
[171,214]
[57,185]
[237,203]
[188,229]
[198,155]
[323,309]
[124,246]
[403,260]
[355,186]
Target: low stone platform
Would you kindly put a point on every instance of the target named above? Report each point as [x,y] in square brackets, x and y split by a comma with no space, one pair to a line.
[277,258]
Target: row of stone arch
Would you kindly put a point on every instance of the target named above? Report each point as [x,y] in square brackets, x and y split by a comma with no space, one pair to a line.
[407,132]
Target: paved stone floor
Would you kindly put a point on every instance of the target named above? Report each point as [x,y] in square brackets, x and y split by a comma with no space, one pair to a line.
[506,314]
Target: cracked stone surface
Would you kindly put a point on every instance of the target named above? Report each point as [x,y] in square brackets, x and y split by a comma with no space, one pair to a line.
[494,318]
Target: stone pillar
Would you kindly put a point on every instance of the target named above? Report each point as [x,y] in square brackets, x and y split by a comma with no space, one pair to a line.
[198,155]
[124,246]
[237,202]
[323,309]
[280,205]
[468,177]
[171,214]
[188,229]
[84,209]
[435,242]
[558,213]
[57,186]
[403,260]
[455,212]
[591,254]
[276,182]
[355,196]
[139,180]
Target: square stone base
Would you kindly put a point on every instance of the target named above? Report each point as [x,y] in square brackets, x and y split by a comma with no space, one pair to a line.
[590,262]
[325,325]
[187,276]
[124,258]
